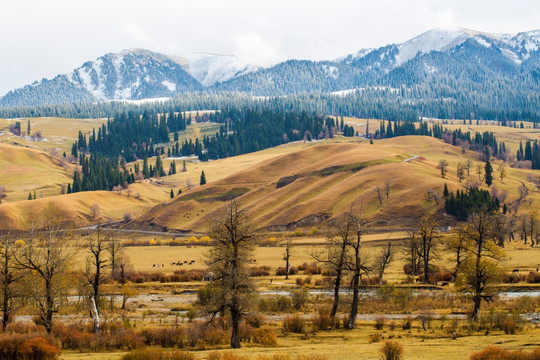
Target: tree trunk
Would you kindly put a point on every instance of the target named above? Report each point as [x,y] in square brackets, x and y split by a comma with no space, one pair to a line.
[354,305]
[5,308]
[235,335]
[477,301]
[95,315]
[336,295]
[48,307]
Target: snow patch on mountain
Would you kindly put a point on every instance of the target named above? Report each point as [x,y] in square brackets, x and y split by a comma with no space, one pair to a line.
[209,69]
[433,40]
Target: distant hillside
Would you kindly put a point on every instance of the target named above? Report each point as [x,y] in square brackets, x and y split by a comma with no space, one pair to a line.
[494,70]
[310,187]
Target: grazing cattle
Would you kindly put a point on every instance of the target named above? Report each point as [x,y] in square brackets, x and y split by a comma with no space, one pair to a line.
[154,265]
[444,284]
[515,270]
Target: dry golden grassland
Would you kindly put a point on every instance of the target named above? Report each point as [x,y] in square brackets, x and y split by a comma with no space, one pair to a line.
[58,133]
[355,344]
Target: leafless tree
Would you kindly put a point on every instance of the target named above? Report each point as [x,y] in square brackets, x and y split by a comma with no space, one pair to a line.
[411,250]
[10,278]
[287,257]
[229,260]
[387,183]
[95,211]
[458,245]
[501,169]
[467,166]
[384,259]
[480,172]
[125,268]
[94,272]
[460,172]
[480,270]
[443,167]
[357,264]
[3,194]
[428,235]
[118,189]
[335,257]
[48,252]
[433,195]
[379,195]
[523,192]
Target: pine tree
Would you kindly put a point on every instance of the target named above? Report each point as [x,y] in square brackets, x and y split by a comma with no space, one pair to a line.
[29,196]
[488,171]
[203,178]
[68,189]
[172,193]
[445,192]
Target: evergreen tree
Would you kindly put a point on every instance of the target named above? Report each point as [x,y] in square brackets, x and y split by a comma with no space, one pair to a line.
[203,178]
[172,193]
[488,171]
[29,196]
[445,192]
[69,188]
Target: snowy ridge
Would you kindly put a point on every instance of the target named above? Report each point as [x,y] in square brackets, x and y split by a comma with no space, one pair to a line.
[136,74]
[209,69]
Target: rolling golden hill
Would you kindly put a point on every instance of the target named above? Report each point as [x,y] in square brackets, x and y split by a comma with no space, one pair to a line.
[310,187]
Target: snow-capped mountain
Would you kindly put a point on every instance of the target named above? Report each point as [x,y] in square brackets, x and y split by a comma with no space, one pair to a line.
[460,56]
[133,74]
[210,69]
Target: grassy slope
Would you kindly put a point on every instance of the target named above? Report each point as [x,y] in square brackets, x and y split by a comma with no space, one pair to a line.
[334,193]
[24,170]
[58,133]
[255,176]
[76,207]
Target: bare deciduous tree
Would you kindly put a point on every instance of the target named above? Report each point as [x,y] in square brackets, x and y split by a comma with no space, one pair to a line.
[94,272]
[3,194]
[95,211]
[10,277]
[481,268]
[501,169]
[460,172]
[47,253]
[384,259]
[428,235]
[411,250]
[229,260]
[287,257]
[357,264]
[335,256]
[443,167]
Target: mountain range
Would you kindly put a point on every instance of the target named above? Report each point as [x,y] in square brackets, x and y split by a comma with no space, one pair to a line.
[455,57]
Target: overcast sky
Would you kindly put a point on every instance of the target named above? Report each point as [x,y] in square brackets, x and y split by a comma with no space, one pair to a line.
[44,38]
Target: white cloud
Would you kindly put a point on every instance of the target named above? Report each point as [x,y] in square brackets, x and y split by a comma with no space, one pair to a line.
[252,48]
[136,33]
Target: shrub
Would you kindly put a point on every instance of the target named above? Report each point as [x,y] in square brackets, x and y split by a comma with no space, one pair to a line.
[218,355]
[299,297]
[256,320]
[391,350]
[533,277]
[407,323]
[158,354]
[322,320]
[304,281]
[265,337]
[498,353]
[379,322]
[294,324]
[311,357]
[27,347]
[373,338]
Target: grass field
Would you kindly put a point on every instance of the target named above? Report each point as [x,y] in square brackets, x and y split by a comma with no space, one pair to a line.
[355,344]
